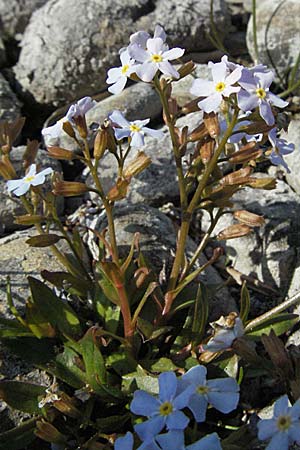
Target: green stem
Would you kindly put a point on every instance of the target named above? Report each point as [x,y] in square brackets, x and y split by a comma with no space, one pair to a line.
[290,89]
[184,230]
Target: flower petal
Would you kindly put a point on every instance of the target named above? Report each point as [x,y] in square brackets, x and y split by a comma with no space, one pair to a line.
[13,184]
[177,421]
[167,386]
[202,87]
[277,101]
[150,428]
[167,440]
[118,86]
[118,118]
[266,429]
[155,45]
[113,75]
[224,401]
[174,53]
[279,442]
[281,406]
[219,71]
[196,376]
[121,133]
[22,189]
[146,71]
[247,101]
[211,442]
[138,53]
[198,405]
[265,112]
[157,134]
[137,139]
[211,103]
[144,404]
[166,68]
[124,442]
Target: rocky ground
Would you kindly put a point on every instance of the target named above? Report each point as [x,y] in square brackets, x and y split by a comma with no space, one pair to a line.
[53,52]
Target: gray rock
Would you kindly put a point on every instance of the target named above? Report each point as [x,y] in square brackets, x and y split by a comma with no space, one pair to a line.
[293,160]
[2,54]
[269,253]
[15,15]
[10,106]
[158,243]
[281,38]
[138,101]
[11,206]
[158,183]
[66,53]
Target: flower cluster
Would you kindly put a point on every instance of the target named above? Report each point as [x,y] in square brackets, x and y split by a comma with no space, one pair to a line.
[144,56]
[192,391]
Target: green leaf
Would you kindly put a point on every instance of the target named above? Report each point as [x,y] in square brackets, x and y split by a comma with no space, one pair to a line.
[93,360]
[59,314]
[12,328]
[245,303]
[108,312]
[160,365]
[113,424]
[32,350]
[18,438]
[230,365]
[43,240]
[140,380]
[66,367]
[37,323]
[280,324]
[64,280]
[22,396]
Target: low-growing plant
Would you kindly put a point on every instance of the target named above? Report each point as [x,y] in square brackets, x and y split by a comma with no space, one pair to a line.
[132,360]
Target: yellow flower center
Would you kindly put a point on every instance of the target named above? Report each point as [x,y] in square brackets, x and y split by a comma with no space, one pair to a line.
[29,178]
[284,423]
[134,128]
[202,390]
[261,93]
[220,86]
[156,58]
[165,409]
[125,69]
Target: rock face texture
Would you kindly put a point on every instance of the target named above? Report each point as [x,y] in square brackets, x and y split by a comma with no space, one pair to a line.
[278,34]
[10,106]
[68,47]
[15,15]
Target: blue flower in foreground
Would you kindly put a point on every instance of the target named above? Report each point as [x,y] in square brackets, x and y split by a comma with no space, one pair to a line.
[124,442]
[169,440]
[221,393]
[280,147]
[283,428]
[162,411]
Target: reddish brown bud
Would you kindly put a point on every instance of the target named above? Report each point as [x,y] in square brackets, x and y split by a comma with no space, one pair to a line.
[245,154]
[207,150]
[69,188]
[198,133]
[212,125]
[267,183]
[234,231]
[61,153]
[30,153]
[49,433]
[119,191]
[186,69]
[190,106]
[100,143]
[238,177]
[67,127]
[251,219]
[140,163]
[7,170]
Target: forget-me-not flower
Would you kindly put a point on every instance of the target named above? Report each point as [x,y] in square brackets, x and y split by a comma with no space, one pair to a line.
[141,37]
[221,393]
[255,92]
[225,332]
[223,85]
[284,428]
[154,57]
[80,108]
[136,129]
[164,410]
[118,76]
[280,147]
[20,187]
[175,439]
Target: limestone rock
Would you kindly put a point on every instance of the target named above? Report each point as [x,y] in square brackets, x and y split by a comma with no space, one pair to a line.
[277,33]
[10,106]
[68,47]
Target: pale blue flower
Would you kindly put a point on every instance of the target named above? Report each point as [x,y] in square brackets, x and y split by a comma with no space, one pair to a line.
[280,147]
[118,76]
[222,85]
[124,442]
[221,393]
[162,411]
[141,37]
[256,93]
[284,428]
[154,57]
[175,440]
[224,335]
[80,108]
[20,187]
[136,129]
[52,133]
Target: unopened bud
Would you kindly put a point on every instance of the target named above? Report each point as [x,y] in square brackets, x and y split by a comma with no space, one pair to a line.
[140,163]
[61,153]
[67,127]
[173,107]
[259,126]
[241,176]
[224,107]
[198,133]
[66,405]
[251,219]
[100,143]
[234,231]
[49,433]
[30,153]
[190,106]
[207,150]
[247,153]
[186,69]
[69,188]
[166,87]
[7,170]
[28,219]
[211,122]
[267,183]
[119,191]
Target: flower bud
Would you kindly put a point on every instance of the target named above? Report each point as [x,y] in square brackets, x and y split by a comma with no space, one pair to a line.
[7,170]
[247,153]
[140,163]
[166,87]
[190,106]
[119,191]
[81,125]
[66,405]
[212,125]
[186,69]
[234,231]
[100,143]
[69,188]
[28,219]
[49,433]
[61,153]
[207,150]
[67,127]
[278,354]
[173,107]
[267,183]
[198,133]
[251,219]
[238,177]
[30,153]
